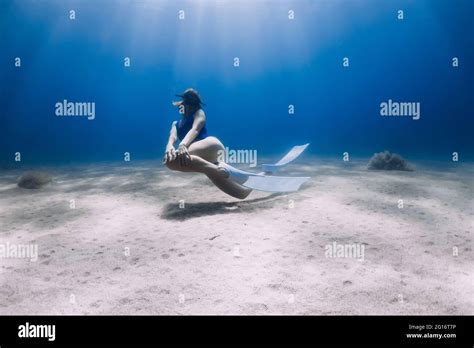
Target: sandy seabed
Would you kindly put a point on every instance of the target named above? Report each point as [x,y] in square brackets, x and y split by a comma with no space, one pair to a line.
[128,247]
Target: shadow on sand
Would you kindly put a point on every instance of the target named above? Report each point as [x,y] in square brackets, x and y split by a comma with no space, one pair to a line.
[172,211]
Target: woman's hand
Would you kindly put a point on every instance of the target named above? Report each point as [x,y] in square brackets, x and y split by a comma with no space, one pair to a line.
[170,154]
[183,154]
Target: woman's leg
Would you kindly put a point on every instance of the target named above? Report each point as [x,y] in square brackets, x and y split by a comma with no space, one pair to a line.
[210,149]
[195,164]
[230,187]
[204,153]
[202,159]
[207,149]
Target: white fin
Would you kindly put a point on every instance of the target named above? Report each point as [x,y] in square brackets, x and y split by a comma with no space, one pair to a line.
[275,183]
[293,154]
[262,182]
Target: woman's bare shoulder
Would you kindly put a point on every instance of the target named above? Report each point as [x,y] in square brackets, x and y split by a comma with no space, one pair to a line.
[200,113]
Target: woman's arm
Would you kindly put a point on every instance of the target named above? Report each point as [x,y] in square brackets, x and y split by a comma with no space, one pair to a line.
[173,135]
[170,153]
[199,122]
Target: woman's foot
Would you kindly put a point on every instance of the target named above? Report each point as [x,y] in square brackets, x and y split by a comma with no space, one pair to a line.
[229,186]
[232,173]
[223,171]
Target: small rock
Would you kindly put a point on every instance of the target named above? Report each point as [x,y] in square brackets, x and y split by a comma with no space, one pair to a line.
[34,180]
[388,161]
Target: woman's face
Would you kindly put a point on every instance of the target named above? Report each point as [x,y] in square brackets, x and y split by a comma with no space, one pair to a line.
[185,108]
[188,108]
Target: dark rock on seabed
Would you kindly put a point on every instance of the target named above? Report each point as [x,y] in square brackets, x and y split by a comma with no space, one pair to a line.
[34,179]
[388,161]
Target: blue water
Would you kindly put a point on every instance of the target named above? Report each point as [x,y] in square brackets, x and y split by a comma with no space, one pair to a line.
[282,62]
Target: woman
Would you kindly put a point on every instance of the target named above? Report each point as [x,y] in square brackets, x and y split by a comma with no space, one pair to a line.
[198,152]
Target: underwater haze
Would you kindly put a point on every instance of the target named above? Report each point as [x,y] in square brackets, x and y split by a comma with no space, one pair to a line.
[332,63]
